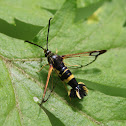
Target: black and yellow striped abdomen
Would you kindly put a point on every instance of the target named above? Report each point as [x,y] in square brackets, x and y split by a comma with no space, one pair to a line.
[66,76]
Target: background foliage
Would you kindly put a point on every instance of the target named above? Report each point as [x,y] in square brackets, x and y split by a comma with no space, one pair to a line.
[77,26]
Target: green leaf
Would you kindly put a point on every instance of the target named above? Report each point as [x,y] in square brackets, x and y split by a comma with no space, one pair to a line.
[27,11]
[77,26]
[23,19]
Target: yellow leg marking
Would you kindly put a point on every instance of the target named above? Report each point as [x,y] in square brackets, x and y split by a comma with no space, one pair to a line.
[42,67]
[69,78]
[56,51]
[49,73]
[57,71]
[70,65]
[69,94]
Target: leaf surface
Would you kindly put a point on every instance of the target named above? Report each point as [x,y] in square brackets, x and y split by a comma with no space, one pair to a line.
[101,25]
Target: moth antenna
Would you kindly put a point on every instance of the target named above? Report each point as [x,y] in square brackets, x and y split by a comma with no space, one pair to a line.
[34,44]
[48,32]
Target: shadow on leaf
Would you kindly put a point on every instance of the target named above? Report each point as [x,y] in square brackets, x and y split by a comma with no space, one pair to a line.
[19,30]
[50,10]
[124,25]
[84,13]
[53,119]
[108,90]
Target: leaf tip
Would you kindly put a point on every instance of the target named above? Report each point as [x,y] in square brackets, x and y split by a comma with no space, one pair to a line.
[94,17]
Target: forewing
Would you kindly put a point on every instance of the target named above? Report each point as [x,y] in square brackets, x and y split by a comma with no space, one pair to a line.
[83,59]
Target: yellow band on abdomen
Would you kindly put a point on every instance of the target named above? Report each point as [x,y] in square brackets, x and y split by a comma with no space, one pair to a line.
[69,78]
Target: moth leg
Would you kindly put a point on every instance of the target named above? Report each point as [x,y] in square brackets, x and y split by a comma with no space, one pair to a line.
[42,67]
[66,89]
[65,86]
[56,51]
[51,89]
[49,73]
[62,82]
[76,66]
[70,65]
[52,84]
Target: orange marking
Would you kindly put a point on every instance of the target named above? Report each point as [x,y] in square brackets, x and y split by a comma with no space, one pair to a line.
[49,73]
[85,54]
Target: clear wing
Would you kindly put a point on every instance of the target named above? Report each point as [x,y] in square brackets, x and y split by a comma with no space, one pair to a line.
[83,59]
